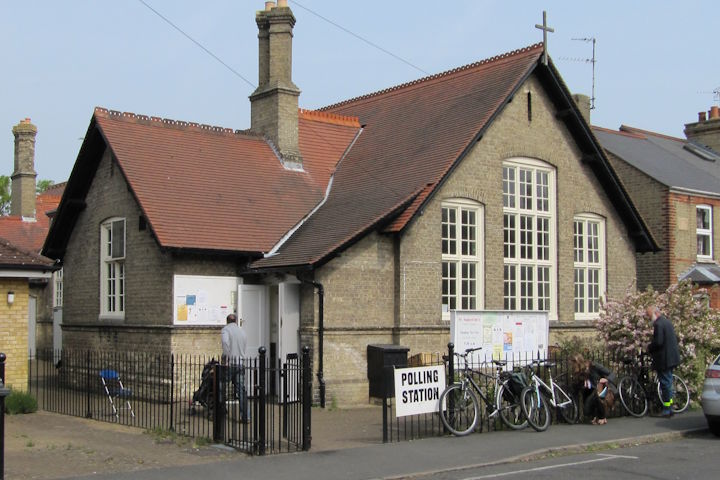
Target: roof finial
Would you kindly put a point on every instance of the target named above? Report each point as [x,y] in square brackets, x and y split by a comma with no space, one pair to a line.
[545,30]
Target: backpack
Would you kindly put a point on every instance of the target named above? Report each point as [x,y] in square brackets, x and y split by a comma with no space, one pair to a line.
[516,382]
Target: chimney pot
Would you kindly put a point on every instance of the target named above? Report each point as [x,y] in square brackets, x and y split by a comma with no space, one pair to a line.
[702,116]
[714,112]
[269,6]
[282,3]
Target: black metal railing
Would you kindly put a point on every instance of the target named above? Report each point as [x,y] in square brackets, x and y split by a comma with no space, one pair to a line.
[428,424]
[191,395]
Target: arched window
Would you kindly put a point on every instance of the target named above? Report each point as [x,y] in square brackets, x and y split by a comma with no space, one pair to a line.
[462,250]
[112,268]
[589,263]
[529,250]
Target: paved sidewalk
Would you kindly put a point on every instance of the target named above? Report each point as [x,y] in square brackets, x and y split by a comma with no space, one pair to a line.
[411,459]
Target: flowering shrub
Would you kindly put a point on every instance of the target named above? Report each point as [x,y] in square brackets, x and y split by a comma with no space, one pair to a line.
[626,331]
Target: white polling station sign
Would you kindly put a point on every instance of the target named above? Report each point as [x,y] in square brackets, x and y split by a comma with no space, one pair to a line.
[418,389]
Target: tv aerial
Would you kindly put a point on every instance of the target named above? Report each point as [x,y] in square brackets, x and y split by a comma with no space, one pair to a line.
[590,60]
[715,93]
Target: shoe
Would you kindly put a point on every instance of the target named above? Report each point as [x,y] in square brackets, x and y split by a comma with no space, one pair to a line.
[667,412]
[594,421]
[602,421]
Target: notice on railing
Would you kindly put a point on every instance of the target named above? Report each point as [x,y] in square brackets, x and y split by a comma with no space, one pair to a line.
[503,335]
[418,389]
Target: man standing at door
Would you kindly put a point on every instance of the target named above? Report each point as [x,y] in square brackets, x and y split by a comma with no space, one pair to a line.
[234,344]
[665,354]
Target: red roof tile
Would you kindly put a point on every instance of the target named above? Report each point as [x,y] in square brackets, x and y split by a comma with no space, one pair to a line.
[413,135]
[30,234]
[210,188]
[14,257]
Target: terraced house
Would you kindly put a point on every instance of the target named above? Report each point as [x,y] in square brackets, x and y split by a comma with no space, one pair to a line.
[676,184]
[363,222]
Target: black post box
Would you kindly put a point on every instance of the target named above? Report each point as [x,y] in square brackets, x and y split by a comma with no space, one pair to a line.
[380,362]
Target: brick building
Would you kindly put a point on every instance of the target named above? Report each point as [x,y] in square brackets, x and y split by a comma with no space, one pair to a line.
[19,270]
[365,222]
[25,228]
[675,184]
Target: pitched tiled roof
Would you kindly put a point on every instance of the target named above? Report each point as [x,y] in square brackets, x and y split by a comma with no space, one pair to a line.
[414,133]
[15,258]
[674,162]
[30,234]
[212,188]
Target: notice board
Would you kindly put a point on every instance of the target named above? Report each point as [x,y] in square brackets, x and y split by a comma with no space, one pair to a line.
[203,300]
[502,334]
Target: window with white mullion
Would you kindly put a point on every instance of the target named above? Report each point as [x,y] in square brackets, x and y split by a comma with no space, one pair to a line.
[704,232]
[589,264]
[528,237]
[112,286]
[461,250]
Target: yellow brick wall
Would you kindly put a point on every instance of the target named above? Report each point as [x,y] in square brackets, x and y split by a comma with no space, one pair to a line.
[14,331]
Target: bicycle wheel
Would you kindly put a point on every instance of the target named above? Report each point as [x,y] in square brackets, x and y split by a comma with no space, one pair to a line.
[535,407]
[633,397]
[567,408]
[459,409]
[508,405]
[681,394]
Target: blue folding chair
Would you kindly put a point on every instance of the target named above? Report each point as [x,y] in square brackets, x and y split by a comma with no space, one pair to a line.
[114,389]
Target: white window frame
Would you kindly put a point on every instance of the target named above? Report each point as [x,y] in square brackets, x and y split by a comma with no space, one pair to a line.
[589,263]
[529,215]
[112,269]
[462,260]
[58,288]
[704,232]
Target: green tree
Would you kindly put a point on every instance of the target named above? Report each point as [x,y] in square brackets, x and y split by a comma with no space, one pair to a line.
[4,194]
[43,185]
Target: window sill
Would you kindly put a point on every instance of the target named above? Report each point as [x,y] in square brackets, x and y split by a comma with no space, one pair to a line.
[111,318]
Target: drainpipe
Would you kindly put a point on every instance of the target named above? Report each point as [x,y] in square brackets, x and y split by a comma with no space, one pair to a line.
[321,335]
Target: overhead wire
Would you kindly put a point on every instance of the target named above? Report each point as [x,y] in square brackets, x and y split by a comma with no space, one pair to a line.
[200,45]
[239,75]
[363,39]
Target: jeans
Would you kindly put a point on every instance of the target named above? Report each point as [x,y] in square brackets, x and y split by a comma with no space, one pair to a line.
[236,375]
[666,387]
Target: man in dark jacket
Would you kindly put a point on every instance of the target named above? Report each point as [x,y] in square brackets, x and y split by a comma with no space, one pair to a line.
[665,354]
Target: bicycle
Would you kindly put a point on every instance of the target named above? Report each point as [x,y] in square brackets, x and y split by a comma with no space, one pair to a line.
[459,404]
[635,389]
[537,398]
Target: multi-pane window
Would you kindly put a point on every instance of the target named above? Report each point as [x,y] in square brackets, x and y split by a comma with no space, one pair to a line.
[112,267]
[704,231]
[528,236]
[589,264]
[58,288]
[461,256]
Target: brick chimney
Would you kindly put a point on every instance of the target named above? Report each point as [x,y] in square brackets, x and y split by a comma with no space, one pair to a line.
[583,103]
[23,178]
[706,130]
[274,104]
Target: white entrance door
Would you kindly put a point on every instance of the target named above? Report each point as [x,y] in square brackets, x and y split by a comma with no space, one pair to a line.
[288,337]
[32,311]
[254,312]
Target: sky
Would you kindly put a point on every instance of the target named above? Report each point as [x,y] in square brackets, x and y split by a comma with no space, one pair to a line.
[656,61]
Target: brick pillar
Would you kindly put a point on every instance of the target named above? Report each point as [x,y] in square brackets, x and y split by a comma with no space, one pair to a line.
[274,104]
[23,178]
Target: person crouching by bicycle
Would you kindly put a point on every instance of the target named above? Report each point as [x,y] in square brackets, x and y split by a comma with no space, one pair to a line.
[592,382]
[665,355]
